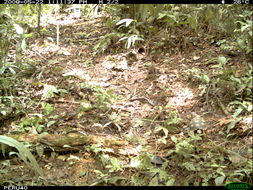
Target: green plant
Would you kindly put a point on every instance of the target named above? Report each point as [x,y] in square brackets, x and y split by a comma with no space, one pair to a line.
[101,99]
[131,40]
[107,178]
[141,12]
[35,122]
[196,157]
[225,84]
[114,165]
[172,116]
[132,34]
[170,122]
[10,106]
[148,174]
[23,153]
[173,17]
[8,67]
[115,119]
[244,33]
[84,107]
[104,97]
[49,91]
[129,33]
[104,43]
[48,108]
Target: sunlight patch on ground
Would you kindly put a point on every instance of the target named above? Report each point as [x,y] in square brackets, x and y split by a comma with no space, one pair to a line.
[182,94]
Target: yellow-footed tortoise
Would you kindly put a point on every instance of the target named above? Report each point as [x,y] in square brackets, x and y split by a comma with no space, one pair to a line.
[197,123]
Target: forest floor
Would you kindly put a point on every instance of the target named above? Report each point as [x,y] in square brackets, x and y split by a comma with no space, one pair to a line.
[134,93]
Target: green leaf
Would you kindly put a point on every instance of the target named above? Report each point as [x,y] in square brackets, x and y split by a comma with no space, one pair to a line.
[158,8]
[174,139]
[241,43]
[40,128]
[170,182]
[2,70]
[232,124]
[23,154]
[189,166]
[12,70]
[194,136]
[219,180]
[161,15]
[124,38]
[23,44]
[161,128]
[245,27]
[250,107]
[82,174]
[48,108]
[40,150]
[18,29]
[3,147]
[154,181]
[129,42]
[63,91]
[28,35]
[237,112]
[234,79]
[222,60]
[49,91]
[205,78]
[126,20]
[50,123]
[86,105]
[193,22]
[173,17]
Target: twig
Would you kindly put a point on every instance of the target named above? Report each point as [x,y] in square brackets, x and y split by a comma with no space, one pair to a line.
[143,98]
[65,101]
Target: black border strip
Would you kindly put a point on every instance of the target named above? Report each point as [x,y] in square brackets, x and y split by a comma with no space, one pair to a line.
[126,1]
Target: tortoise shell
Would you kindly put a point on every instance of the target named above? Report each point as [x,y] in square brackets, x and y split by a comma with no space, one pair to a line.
[197,123]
